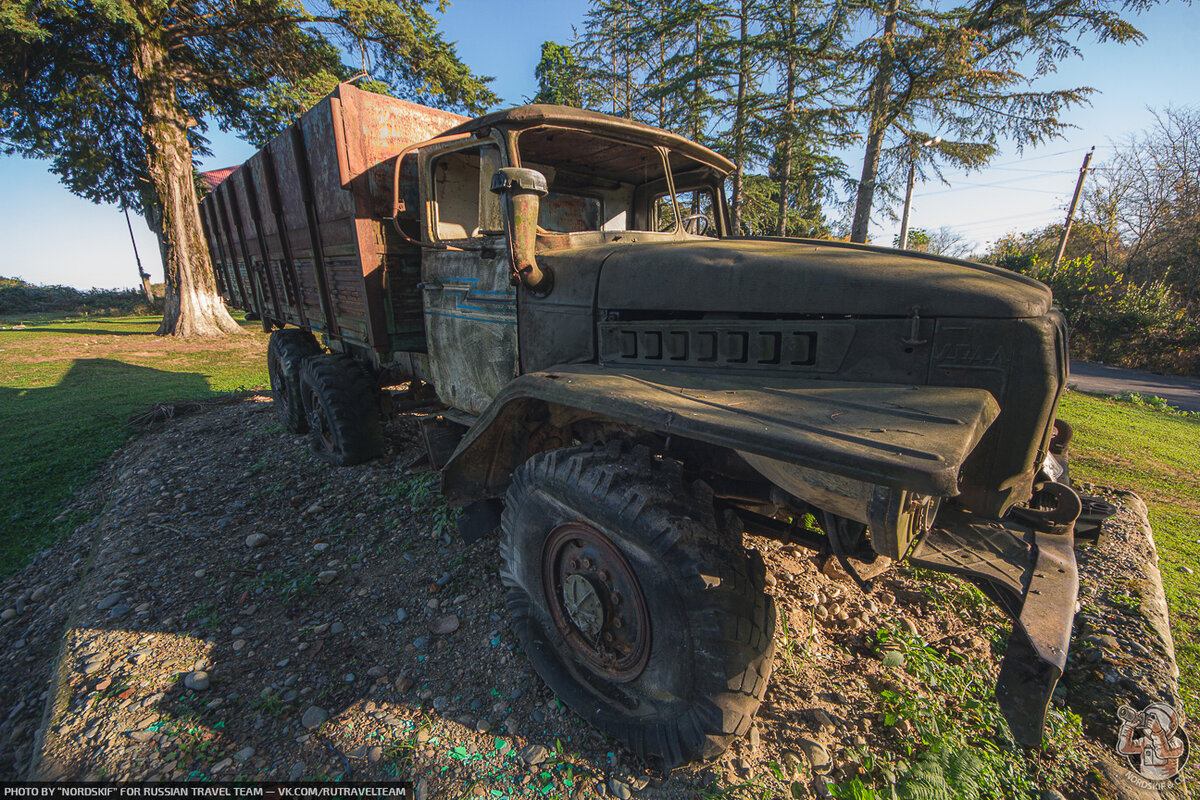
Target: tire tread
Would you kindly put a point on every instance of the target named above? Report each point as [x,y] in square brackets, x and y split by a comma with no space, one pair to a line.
[732,620]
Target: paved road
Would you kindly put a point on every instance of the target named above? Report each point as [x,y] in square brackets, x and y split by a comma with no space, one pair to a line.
[1181,392]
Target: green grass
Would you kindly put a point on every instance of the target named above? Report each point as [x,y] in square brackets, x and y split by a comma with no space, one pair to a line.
[67,390]
[1157,455]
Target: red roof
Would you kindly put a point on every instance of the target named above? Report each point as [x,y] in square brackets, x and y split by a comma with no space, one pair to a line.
[212,179]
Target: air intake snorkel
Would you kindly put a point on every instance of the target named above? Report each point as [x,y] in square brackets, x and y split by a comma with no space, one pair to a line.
[521,189]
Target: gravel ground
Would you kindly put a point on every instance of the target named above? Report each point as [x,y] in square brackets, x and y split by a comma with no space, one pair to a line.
[237,609]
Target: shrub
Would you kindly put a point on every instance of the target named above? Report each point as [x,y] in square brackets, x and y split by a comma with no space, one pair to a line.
[19,297]
[1141,325]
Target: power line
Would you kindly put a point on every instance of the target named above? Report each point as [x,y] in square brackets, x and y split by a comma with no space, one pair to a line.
[978,222]
[1004,184]
[962,187]
[1038,171]
[1024,160]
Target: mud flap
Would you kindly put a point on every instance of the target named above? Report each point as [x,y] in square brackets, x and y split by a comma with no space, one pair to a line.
[1024,563]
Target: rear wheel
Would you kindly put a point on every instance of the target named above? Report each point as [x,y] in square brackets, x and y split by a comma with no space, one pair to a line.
[637,606]
[286,351]
[343,416]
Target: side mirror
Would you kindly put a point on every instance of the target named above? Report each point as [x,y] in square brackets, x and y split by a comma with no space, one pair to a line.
[521,189]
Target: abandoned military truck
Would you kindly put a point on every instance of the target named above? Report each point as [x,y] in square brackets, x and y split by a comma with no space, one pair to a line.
[625,389]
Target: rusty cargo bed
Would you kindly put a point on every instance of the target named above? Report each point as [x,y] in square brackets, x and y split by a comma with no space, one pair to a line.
[301,233]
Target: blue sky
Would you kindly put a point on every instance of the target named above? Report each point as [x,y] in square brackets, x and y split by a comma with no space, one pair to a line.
[50,236]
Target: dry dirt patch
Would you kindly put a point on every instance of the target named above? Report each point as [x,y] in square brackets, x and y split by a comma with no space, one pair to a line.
[240,610]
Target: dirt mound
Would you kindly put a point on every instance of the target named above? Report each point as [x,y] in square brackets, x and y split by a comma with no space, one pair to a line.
[240,610]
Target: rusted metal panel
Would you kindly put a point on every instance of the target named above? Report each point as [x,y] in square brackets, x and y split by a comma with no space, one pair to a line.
[471,323]
[261,209]
[216,252]
[247,235]
[266,273]
[333,203]
[535,115]
[232,249]
[377,128]
[317,250]
[278,237]
[213,254]
[305,221]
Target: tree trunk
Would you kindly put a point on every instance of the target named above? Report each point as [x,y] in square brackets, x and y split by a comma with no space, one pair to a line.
[878,126]
[192,306]
[789,123]
[739,124]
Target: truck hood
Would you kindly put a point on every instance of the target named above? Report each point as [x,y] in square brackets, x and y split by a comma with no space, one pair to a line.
[803,277]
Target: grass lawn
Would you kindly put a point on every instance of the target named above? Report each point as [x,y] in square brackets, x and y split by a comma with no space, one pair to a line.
[1156,455]
[67,390]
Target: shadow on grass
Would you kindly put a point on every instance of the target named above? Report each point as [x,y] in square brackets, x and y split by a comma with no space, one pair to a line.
[90,331]
[52,439]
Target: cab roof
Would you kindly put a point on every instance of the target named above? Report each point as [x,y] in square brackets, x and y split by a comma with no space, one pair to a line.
[533,116]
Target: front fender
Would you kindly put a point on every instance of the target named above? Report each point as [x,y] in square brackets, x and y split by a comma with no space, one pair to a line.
[904,437]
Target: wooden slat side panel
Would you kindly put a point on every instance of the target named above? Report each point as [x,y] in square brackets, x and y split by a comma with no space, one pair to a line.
[267,224]
[295,227]
[241,278]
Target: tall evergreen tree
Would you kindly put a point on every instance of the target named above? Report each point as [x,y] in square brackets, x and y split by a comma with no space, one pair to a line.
[558,75]
[739,67]
[700,68]
[697,34]
[966,73]
[809,118]
[610,52]
[119,93]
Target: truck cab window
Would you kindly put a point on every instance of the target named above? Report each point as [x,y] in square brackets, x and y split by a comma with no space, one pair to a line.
[595,182]
[464,206]
[570,213]
[695,212]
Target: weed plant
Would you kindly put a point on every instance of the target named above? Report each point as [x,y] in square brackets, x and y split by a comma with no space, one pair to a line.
[423,493]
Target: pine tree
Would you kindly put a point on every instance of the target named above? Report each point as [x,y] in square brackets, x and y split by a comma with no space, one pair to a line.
[118,95]
[808,119]
[966,73]
[558,75]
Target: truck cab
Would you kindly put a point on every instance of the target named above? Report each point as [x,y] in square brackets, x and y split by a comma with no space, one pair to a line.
[607,183]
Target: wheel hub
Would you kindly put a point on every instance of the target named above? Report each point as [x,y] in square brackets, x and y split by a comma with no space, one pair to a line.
[317,423]
[595,601]
[583,605]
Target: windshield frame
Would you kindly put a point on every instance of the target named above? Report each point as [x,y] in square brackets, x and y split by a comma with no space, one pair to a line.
[693,167]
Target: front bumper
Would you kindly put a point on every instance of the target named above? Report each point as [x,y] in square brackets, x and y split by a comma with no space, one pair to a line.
[1026,564]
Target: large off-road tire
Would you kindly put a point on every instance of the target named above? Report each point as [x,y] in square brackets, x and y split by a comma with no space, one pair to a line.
[343,415]
[634,602]
[286,351]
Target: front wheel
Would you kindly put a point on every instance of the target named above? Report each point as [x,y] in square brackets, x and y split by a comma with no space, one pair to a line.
[637,606]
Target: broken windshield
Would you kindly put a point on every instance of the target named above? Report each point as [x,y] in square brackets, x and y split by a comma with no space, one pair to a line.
[598,183]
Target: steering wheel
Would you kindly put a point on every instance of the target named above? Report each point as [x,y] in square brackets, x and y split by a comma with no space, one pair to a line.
[700,222]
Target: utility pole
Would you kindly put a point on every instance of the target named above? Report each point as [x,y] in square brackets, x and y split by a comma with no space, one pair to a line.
[145,276]
[1062,242]
[912,164]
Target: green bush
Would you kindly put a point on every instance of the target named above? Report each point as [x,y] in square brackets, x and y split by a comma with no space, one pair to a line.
[19,297]
[1111,319]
